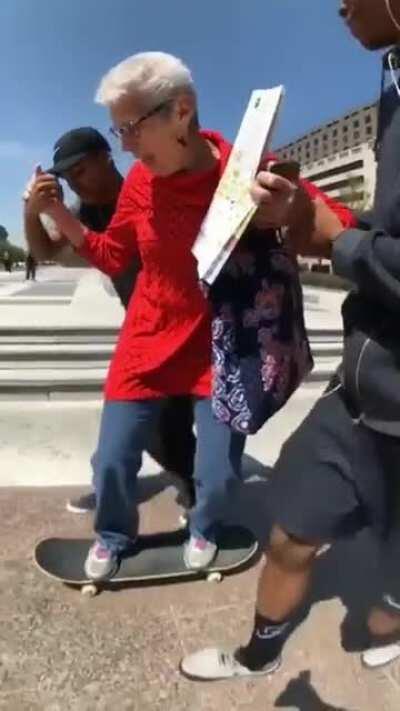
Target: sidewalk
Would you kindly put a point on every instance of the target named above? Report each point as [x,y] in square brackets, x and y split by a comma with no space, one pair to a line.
[59,298]
[120,650]
[49,443]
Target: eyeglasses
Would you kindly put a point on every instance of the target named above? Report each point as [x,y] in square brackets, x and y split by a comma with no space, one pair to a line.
[133,127]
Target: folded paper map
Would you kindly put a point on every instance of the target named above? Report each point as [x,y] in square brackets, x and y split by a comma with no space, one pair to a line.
[232,207]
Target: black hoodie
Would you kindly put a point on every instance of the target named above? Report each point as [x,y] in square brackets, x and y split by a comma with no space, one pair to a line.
[370,258]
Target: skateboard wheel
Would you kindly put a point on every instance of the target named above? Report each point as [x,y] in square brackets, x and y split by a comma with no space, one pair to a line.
[89,590]
[214,577]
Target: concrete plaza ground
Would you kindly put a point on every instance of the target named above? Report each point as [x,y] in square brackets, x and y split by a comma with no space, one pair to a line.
[121,650]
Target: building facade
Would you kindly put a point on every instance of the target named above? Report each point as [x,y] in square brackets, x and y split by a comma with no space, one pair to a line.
[339,156]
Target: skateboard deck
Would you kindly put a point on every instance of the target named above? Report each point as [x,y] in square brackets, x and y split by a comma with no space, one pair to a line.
[155,557]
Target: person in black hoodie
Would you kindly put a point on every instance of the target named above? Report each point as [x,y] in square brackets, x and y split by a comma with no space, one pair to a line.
[339,472]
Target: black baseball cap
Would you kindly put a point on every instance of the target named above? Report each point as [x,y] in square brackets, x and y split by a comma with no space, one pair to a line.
[75,145]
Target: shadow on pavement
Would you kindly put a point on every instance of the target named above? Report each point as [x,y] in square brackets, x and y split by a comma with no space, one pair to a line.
[300,695]
[350,572]
[150,486]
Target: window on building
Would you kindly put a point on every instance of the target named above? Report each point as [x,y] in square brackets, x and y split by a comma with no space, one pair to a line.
[369,130]
[357,182]
[334,132]
[356,135]
[335,143]
[356,124]
[368,118]
[316,141]
[308,155]
[345,129]
[338,171]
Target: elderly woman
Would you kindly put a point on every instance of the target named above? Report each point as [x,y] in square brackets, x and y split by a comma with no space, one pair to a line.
[165,344]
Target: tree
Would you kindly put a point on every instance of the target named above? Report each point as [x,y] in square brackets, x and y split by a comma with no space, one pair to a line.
[17,254]
[3,233]
[10,250]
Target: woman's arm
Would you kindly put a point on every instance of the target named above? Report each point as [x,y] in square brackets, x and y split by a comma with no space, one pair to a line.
[111,251]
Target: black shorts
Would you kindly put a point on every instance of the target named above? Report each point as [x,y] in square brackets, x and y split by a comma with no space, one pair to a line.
[334,476]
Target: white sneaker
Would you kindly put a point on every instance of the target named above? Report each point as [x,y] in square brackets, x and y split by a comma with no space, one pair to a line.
[101,563]
[379,656]
[215,664]
[199,553]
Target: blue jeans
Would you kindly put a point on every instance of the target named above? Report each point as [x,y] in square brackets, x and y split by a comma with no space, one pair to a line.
[126,430]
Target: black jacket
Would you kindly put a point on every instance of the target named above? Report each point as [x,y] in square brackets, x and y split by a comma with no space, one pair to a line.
[370,258]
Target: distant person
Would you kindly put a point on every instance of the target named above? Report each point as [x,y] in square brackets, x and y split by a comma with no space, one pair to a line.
[340,471]
[7,261]
[30,267]
[82,157]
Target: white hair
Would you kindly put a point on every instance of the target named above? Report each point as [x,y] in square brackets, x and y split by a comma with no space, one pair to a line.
[155,75]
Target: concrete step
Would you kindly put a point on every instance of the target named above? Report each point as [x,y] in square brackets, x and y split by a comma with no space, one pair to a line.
[323,370]
[32,355]
[325,335]
[22,341]
[48,374]
[40,361]
[53,334]
[79,364]
[24,367]
[72,331]
[46,382]
[324,355]
[65,337]
[79,350]
[55,352]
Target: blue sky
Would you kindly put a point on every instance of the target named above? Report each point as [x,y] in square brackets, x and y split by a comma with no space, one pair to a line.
[53,53]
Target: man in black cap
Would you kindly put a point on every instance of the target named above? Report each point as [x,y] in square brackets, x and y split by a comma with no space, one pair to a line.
[82,157]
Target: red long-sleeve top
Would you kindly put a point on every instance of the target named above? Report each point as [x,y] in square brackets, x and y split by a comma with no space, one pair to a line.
[164,347]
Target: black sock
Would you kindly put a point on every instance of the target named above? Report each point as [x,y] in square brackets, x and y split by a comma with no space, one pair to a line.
[265,644]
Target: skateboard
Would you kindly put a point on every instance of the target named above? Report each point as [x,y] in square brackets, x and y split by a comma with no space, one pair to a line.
[155,558]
